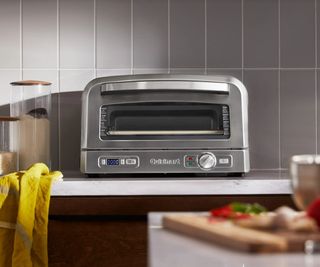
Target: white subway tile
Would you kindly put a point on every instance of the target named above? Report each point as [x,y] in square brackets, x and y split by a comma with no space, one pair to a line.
[6,77]
[74,80]
[76,34]
[10,34]
[113,34]
[39,34]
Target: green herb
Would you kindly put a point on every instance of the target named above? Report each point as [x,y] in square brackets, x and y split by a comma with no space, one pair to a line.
[247,208]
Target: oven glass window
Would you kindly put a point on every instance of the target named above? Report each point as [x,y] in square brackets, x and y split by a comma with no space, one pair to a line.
[154,120]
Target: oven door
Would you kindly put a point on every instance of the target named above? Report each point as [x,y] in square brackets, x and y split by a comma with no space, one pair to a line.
[164,120]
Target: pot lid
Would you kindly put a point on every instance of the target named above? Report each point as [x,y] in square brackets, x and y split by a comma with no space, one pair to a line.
[30,83]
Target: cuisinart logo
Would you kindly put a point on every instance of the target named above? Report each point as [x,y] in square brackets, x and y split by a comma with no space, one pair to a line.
[154,161]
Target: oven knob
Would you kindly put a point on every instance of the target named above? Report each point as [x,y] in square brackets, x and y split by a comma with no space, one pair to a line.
[207,161]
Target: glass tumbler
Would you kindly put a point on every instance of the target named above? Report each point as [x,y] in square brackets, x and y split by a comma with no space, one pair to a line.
[31,103]
[305,179]
[8,145]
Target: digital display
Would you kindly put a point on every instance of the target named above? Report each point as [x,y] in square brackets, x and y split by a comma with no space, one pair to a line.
[112,162]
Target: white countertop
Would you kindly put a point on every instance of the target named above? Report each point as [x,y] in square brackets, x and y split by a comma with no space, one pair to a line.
[169,249]
[256,182]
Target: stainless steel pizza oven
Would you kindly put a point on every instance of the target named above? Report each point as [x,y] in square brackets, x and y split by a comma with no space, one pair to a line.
[165,124]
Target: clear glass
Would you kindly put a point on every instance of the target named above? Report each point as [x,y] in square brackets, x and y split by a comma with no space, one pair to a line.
[31,103]
[305,179]
[8,147]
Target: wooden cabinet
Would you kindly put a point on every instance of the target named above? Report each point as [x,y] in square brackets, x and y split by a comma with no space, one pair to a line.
[112,231]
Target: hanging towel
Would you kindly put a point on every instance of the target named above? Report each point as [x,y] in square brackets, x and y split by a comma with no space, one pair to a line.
[24,209]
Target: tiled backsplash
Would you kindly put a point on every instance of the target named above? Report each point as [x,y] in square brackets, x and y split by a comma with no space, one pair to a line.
[271,45]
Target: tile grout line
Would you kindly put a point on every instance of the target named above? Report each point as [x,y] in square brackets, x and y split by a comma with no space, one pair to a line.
[169,37]
[21,55]
[242,39]
[21,40]
[316,74]
[95,38]
[120,69]
[132,58]
[205,38]
[58,45]
[58,84]
[279,81]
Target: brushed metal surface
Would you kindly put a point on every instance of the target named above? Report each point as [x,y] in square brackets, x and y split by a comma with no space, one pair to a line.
[219,88]
[162,161]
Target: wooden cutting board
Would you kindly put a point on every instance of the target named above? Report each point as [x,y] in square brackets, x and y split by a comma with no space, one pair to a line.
[236,237]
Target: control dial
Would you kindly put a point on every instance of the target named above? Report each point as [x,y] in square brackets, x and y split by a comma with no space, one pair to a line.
[207,161]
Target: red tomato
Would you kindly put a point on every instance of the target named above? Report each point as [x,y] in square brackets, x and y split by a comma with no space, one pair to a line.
[229,213]
[224,211]
[313,210]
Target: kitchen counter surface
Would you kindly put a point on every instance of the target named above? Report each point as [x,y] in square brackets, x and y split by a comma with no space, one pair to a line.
[168,249]
[254,183]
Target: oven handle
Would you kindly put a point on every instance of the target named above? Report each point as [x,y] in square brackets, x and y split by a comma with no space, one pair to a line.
[198,86]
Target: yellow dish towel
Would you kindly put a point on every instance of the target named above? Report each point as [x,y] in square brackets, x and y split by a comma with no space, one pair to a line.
[24,208]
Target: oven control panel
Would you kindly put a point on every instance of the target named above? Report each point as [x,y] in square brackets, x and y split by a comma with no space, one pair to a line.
[191,162]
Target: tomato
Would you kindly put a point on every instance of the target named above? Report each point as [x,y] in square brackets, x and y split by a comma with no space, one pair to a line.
[237,210]
[229,212]
[313,210]
[224,211]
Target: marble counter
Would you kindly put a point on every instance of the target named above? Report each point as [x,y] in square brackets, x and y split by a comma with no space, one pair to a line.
[255,183]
